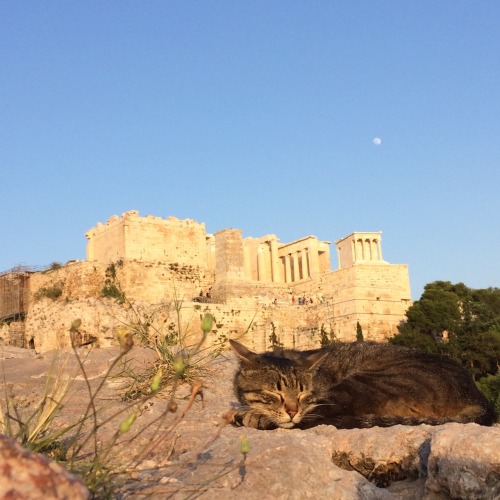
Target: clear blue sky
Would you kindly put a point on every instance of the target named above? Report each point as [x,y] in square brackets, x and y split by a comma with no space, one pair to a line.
[256,115]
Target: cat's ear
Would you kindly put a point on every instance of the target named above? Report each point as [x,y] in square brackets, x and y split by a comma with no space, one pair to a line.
[312,361]
[246,355]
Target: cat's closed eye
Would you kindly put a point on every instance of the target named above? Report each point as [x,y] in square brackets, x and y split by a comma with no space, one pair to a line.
[272,396]
[304,398]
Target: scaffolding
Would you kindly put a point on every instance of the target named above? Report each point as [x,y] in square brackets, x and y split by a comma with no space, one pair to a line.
[14,292]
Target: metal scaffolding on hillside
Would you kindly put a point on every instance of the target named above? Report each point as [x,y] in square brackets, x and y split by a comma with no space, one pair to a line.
[14,292]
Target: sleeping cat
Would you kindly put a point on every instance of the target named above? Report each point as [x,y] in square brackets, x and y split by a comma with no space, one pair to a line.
[351,385]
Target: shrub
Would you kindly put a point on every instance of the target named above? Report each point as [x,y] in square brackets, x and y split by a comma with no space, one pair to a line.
[111,288]
[51,292]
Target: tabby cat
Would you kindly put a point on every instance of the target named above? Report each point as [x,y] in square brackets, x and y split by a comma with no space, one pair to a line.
[352,385]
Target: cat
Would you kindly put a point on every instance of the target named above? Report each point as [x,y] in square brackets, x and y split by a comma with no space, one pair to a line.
[353,385]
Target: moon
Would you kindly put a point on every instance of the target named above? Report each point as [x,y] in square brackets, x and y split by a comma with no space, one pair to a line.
[377,141]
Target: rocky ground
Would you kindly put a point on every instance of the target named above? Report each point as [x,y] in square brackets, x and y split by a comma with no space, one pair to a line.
[197,456]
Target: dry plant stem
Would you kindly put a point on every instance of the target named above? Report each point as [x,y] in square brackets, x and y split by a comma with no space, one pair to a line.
[154,441]
[195,390]
[123,410]
[5,427]
[203,447]
[91,404]
[56,389]
[212,438]
[109,446]
[2,422]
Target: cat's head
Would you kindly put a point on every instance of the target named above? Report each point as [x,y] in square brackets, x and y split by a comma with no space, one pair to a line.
[278,385]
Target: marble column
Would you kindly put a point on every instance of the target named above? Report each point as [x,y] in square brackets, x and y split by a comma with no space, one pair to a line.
[313,259]
[296,273]
[288,276]
[276,274]
[305,264]
[261,265]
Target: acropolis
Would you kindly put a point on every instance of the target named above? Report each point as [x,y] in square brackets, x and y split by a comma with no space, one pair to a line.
[254,286]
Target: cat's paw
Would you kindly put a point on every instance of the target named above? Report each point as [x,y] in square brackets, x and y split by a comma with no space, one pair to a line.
[239,417]
[230,416]
[250,418]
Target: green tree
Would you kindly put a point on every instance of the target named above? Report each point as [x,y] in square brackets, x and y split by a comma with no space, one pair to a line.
[437,311]
[490,387]
[411,336]
[458,321]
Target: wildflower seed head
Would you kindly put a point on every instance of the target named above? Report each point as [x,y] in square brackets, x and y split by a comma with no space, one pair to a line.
[206,323]
[125,340]
[244,446]
[178,365]
[155,383]
[127,423]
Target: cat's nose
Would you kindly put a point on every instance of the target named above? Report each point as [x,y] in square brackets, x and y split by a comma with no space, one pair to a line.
[291,409]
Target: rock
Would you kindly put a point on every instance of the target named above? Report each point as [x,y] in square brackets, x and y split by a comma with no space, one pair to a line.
[25,475]
[448,461]
[280,464]
[383,455]
[196,456]
[378,463]
[464,462]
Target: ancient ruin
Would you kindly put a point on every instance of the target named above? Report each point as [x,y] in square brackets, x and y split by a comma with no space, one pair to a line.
[259,288]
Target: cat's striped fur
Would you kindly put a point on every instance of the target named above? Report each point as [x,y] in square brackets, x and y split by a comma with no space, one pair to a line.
[350,385]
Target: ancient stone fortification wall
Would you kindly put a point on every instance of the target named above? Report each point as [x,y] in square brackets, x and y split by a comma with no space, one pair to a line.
[78,279]
[49,322]
[144,281]
[154,283]
[13,334]
[152,239]
[376,295]
[150,260]
[339,300]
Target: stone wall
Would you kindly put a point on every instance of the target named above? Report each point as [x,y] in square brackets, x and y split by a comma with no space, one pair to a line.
[144,281]
[376,295]
[49,322]
[13,333]
[151,261]
[255,311]
[148,238]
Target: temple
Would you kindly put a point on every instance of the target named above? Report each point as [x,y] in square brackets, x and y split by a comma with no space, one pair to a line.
[259,289]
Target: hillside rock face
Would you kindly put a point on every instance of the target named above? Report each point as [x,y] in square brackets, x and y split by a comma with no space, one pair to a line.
[197,455]
[48,322]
